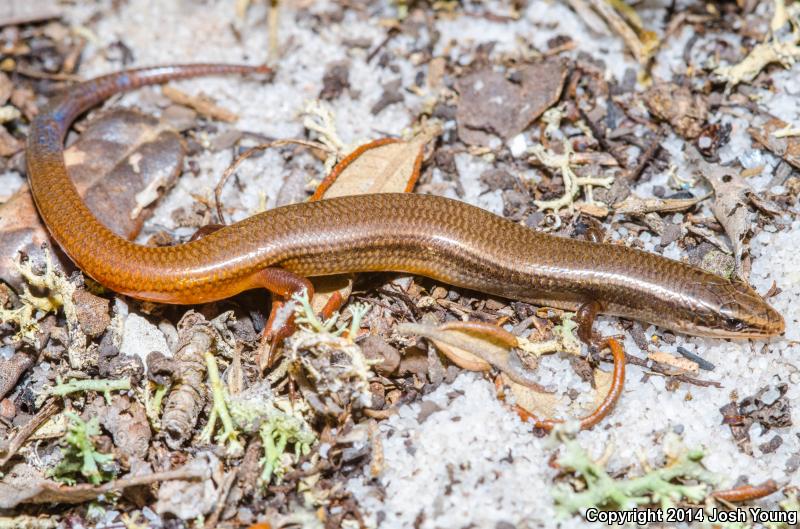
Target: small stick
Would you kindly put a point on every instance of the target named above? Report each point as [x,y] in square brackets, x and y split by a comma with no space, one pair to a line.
[746,492]
[247,154]
[47,411]
[224,492]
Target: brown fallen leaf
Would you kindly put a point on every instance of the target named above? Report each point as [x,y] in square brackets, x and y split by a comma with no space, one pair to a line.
[491,104]
[476,346]
[787,148]
[732,196]
[381,166]
[120,165]
[636,205]
[679,106]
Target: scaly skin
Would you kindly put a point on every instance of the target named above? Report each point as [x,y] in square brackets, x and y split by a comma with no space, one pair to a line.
[444,239]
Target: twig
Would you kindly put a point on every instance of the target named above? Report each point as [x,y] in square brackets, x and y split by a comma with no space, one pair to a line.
[389,36]
[618,24]
[664,370]
[224,492]
[247,154]
[50,407]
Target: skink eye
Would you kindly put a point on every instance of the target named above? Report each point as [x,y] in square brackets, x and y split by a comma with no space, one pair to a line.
[735,324]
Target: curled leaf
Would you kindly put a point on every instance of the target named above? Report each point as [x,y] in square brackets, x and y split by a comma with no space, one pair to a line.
[635,205]
[770,137]
[476,346]
[386,165]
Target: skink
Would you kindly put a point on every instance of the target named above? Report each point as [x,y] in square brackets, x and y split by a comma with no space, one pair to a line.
[447,240]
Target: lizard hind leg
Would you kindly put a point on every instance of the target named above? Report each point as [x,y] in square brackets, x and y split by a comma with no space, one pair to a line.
[282,284]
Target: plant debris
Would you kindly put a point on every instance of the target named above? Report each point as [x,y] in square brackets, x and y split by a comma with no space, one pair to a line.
[657,487]
[490,103]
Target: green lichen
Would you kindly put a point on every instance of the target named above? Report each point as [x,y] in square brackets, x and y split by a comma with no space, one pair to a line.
[229,436]
[104,386]
[153,396]
[662,486]
[308,321]
[277,433]
[286,435]
[80,458]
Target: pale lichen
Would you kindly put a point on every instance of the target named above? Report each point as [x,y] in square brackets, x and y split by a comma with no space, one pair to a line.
[663,486]
[563,340]
[104,386]
[80,457]
[324,361]
[56,293]
[572,182]
[781,49]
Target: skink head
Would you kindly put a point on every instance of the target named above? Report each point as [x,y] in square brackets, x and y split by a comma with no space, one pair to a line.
[735,310]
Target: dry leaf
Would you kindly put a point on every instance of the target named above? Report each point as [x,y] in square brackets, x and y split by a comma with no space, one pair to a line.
[731,198]
[476,345]
[490,103]
[537,403]
[602,385]
[678,106]
[636,205]
[381,166]
[787,148]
